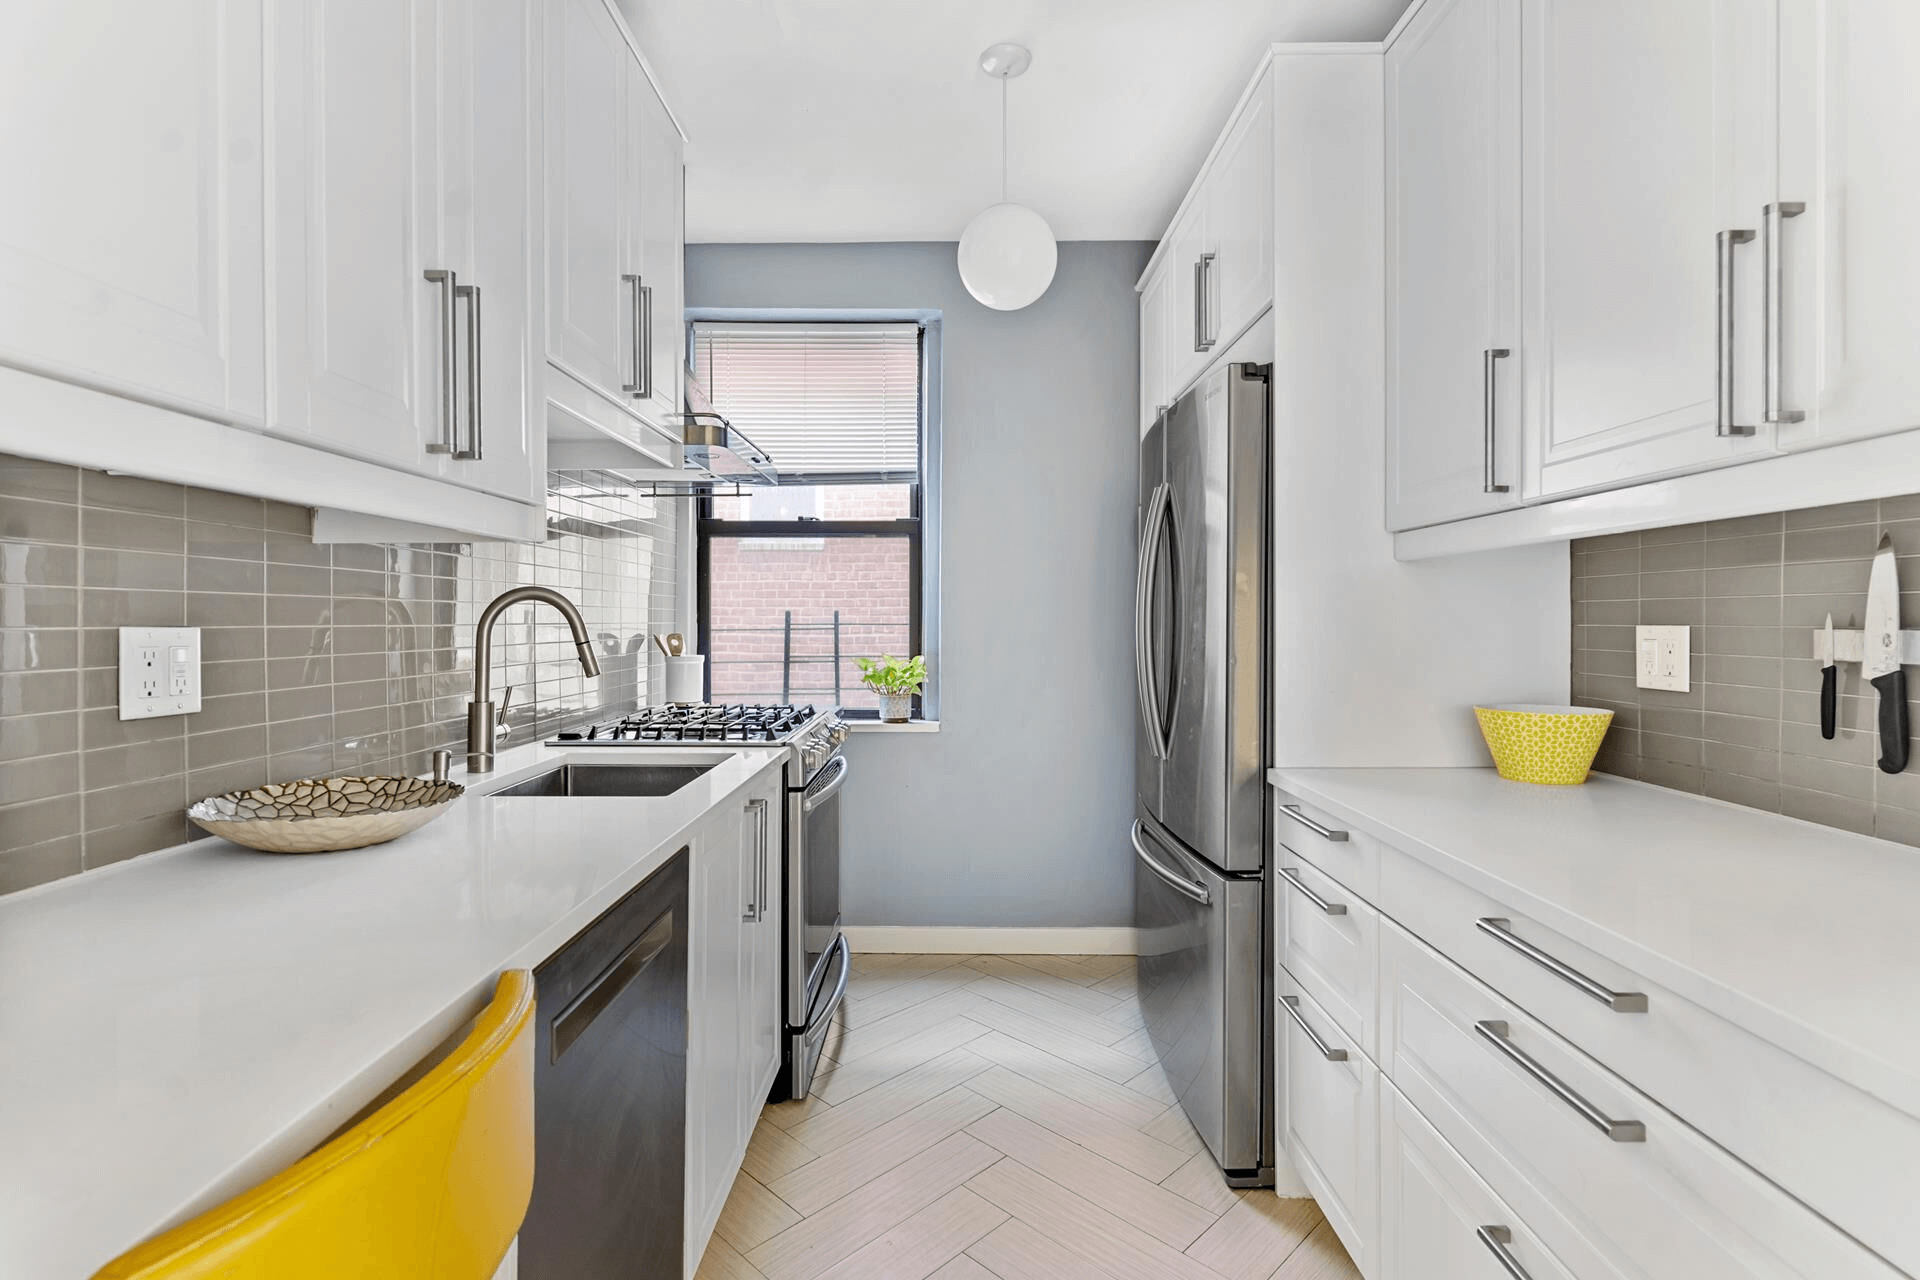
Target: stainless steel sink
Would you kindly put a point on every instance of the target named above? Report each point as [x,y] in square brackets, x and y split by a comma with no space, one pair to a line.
[608,780]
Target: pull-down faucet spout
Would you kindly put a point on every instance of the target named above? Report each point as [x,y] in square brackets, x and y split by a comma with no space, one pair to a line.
[481,712]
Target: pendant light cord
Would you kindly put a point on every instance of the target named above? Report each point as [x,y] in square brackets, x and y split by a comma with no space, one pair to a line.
[1003,139]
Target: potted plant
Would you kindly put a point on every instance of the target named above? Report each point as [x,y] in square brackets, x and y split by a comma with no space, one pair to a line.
[896,680]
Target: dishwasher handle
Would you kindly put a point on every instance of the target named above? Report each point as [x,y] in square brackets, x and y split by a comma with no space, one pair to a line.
[572,1022]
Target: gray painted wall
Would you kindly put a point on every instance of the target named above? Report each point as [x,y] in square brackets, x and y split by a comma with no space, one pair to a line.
[1016,812]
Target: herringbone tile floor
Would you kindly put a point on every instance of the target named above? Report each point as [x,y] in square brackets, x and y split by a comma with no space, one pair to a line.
[999,1118]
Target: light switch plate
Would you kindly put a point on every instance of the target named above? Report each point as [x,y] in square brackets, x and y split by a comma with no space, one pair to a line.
[1663,658]
[159,672]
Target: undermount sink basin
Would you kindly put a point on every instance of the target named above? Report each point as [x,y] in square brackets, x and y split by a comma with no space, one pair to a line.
[608,780]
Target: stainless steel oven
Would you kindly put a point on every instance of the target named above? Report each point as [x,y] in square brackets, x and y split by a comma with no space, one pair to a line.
[818,961]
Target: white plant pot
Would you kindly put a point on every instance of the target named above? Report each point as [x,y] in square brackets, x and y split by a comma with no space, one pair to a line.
[896,708]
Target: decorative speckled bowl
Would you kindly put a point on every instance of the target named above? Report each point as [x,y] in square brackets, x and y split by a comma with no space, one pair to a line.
[324,815]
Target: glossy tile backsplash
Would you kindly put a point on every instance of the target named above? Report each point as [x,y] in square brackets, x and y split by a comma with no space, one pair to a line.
[317,659]
[1753,590]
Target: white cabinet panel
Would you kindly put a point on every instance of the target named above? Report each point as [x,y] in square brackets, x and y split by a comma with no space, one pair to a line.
[1650,128]
[762,1010]
[1156,299]
[1329,941]
[1438,1220]
[131,251]
[1453,262]
[716,961]
[659,264]
[360,342]
[1852,315]
[589,309]
[1327,1116]
[1185,263]
[1239,200]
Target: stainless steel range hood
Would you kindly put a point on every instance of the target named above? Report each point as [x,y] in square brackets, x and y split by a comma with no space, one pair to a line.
[713,445]
[713,452]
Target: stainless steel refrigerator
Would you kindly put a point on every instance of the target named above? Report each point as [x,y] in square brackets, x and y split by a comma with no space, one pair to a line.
[1198,834]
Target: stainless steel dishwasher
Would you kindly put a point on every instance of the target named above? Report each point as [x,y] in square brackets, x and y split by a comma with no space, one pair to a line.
[610,1094]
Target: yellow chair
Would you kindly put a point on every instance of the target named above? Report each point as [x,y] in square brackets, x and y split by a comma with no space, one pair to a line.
[431,1186]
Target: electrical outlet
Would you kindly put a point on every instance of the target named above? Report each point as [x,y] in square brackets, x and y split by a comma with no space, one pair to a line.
[159,671]
[1663,658]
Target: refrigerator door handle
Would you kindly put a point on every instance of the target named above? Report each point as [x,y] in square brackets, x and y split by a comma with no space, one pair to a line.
[1149,694]
[1179,883]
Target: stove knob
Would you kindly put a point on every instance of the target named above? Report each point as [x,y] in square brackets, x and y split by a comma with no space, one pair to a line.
[836,732]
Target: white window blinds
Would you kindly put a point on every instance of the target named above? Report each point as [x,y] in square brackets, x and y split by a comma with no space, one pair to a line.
[823,401]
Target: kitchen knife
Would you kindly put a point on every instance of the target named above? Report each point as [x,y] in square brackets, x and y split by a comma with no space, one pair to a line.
[1881,665]
[1829,687]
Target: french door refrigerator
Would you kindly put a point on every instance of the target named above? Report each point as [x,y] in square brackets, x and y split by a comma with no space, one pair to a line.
[1199,833]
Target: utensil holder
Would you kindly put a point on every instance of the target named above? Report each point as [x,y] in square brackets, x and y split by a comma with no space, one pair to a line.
[687,678]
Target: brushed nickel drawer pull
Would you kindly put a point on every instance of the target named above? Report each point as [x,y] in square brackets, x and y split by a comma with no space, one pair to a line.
[1500,929]
[1292,1005]
[1292,876]
[1497,1240]
[1494,1032]
[1325,833]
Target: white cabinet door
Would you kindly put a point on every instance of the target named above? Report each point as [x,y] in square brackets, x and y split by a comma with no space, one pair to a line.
[1185,264]
[715,959]
[131,251]
[491,59]
[1155,299]
[362,334]
[590,309]
[1438,1221]
[1650,130]
[1239,200]
[762,1008]
[1327,1116]
[656,148]
[1453,263]
[1852,315]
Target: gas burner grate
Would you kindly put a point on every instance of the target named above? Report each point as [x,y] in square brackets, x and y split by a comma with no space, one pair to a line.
[695,724]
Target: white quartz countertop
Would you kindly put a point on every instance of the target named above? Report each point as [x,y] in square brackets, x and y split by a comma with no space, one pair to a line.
[1807,936]
[176,1028]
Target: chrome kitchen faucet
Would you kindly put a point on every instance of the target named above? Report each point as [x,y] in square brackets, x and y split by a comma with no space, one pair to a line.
[481,713]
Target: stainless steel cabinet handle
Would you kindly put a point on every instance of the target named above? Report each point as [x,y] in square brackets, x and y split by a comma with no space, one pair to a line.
[757,880]
[1497,1240]
[646,344]
[1182,885]
[639,338]
[1494,1032]
[1292,876]
[1325,833]
[1292,1005]
[1775,306]
[1724,244]
[449,283]
[1500,930]
[826,786]
[471,292]
[1203,335]
[1489,401]
[1199,286]
[1144,677]
[766,853]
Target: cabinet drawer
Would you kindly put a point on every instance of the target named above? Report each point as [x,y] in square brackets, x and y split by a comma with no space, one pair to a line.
[1329,940]
[1528,1112]
[1845,1153]
[1328,1116]
[1349,856]
[1438,1220]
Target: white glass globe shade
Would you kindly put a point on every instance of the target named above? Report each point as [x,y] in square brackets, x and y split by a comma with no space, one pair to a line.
[1007,256]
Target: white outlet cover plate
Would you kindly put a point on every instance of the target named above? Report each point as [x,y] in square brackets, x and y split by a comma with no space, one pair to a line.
[1663,658]
[159,672]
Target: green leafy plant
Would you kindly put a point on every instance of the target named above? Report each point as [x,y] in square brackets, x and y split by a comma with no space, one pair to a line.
[893,675]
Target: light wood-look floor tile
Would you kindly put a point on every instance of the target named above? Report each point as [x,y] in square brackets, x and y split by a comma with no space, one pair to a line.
[999,1118]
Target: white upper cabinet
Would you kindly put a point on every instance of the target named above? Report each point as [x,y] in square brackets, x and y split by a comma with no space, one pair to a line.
[614,186]
[130,233]
[360,335]
[1850,312]
[1238,192]
[1453,263]
[1156,299]
[1650,135]
[1187,262]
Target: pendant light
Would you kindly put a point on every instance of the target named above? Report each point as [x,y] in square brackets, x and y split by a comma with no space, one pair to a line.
[1007,253]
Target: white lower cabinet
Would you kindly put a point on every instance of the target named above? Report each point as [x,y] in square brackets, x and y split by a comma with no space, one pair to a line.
[1328,1107]
[733,995]
[1438,1220]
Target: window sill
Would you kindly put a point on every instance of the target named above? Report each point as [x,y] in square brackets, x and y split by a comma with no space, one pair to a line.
[880,726]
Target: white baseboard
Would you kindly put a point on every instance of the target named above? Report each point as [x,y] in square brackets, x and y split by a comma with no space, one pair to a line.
[1115,940]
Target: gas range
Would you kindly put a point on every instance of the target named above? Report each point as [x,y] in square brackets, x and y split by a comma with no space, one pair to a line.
[813,732]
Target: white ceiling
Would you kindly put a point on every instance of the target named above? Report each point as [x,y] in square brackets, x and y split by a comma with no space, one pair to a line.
[852,120]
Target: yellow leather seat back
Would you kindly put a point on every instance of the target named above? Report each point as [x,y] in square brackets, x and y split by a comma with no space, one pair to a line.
[432,1186]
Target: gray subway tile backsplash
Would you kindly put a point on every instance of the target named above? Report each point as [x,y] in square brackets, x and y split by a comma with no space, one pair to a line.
[1753,589]
[316,659]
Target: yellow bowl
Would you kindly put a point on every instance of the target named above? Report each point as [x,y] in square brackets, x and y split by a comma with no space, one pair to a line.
[1550,745]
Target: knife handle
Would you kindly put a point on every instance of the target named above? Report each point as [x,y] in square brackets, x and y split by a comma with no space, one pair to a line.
[1829,700]
[1893,720]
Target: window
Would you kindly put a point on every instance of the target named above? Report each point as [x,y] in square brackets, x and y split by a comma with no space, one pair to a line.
[801,579]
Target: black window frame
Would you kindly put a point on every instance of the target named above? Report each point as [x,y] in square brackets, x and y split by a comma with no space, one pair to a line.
[708,526]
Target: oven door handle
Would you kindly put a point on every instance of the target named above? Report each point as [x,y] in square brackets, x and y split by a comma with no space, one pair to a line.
[820,1021]
[826,790]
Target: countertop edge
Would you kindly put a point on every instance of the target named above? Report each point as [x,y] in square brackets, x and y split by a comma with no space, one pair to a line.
[1861,1069]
